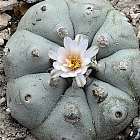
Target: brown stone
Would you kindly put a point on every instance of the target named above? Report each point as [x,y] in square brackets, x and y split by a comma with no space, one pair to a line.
[7,5]
[4,19]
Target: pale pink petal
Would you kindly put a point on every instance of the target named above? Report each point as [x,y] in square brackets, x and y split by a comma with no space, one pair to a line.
[68,74]
[86,61]
[65,69]
[59,66]
[81,70]
[91,52]
[75,51]
[56,73]
[73,47]
[70,44]
[74,73]
[82,42]
[81,80]
[61,54]
[53,53]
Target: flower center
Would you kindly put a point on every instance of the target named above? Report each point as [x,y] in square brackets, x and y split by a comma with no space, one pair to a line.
[73,62]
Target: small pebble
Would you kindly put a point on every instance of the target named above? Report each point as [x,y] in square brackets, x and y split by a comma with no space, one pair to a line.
[1,41]
[136,122]
[7,5]
[8,110]
[4,19]
[134,135]
[2,100]
[3,94]
[5,34]
[32,1]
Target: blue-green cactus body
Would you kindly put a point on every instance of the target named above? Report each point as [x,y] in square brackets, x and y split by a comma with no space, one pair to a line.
[31,95]
[122,70]
[90,13]
[115,34]
[112,113]
[71,119]
[27,54]
[48,20]
[53,108]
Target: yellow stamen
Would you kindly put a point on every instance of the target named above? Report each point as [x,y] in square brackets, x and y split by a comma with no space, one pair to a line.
[73,62]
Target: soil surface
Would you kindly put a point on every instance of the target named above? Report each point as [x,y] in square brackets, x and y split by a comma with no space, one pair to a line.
[9,128]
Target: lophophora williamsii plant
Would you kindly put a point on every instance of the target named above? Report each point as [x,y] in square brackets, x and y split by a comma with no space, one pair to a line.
[73,71]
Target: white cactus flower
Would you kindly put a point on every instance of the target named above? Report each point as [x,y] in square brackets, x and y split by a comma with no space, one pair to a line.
[73,59]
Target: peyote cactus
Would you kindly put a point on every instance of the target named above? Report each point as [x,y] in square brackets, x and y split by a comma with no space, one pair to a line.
[55,107]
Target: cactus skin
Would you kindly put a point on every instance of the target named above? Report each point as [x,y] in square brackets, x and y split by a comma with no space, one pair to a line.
[35,97]
[111,115]
[63,124]
[39,20]
[90,13]
[28,54]
[115,34]
[122,70]
[47,106]
[67,16]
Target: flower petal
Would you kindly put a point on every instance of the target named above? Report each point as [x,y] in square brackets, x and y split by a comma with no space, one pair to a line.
[84,44]
[70,44]
[81,70]
[91,52]
[68,74]
[61,54]
[82,41]
[81,80]
[53,53]
[59,66]
[56,73]
[86,61]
